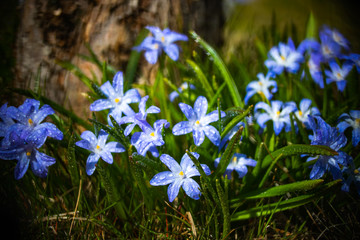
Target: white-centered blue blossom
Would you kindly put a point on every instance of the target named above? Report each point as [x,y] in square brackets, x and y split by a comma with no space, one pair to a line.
[198,122]
[180,175]
[116,101]
[305,110]
[284,57]
[278,112]
[99,149]
[140,117]
[239,163]
[351,120]
[338,74]
[150,138]
[264,86]
[161,41]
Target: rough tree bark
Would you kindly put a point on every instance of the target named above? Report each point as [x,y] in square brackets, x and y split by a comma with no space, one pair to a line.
[58,29]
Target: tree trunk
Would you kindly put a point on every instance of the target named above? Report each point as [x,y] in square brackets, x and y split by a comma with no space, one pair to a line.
[58,29]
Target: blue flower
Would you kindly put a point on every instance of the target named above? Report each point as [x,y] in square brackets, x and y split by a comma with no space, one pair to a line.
[328,136]
[353,175]
[315,70]
[183,86]
[180,176]
[338,74]
[161,40]
[99,149]
[25,134]
[305,110]
[140,117]
[284,57]
[261,87]
[277,112]
[28,119]
[352,120]
[355,59]
[25,150]
[150,138]
[5,122]
[237,163]
[335,36]
[116,101]
[198,122]
[329,48]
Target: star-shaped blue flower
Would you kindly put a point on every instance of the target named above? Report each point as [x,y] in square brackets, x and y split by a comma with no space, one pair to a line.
[116,101]
[261,87]
[278,112]
[25,150]
[284,57]
[352,120]
[198,122]
[183,86]
[180,176]
[140,117]
[338,74]
[305,110]
[239,163]
[329,136]
[150,138]
[5,122]
[159,41]
[99,149]
[335,36]
[29,117]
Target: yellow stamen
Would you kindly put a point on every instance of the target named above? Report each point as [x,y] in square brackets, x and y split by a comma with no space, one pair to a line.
[182,88]
[117,100]
[338,75]
[278,113]
[282,58]
[97,147]
[162,39]
[181,173]
[356,171]
[357,121]
[156,46]
[28,153]
[30,121]
[260,83]
[152,134]
[197,122]
[234,160]
[300,113]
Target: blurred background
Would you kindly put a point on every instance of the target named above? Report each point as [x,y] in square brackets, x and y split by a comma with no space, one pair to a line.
[34,34]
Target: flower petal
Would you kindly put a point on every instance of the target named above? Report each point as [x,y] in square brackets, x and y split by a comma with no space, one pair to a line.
[21,166]
[115,147]
[44,111]
[106,156]
[182,128]
[52,130]
[173,189]
[213,134]
[200,107]
[172,51]
[191,188]
[188,111]
[163,178]
[170,163]
[151,56]
[118,82]
[199,136]
[91,163]
[101,104]
[108,89]
[84,144]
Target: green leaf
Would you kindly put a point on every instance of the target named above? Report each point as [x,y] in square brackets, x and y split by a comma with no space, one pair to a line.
[235,121]
[73,169]
[229,152]
[297,149]
[311,29]
[286,204]
[279,190]
[223,69]
[202,78]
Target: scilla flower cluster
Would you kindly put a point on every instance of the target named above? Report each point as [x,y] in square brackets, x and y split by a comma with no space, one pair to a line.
[23,132]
